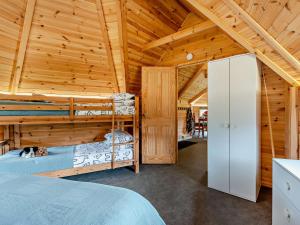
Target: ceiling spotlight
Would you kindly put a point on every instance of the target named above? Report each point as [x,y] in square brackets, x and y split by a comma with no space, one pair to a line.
[189,56]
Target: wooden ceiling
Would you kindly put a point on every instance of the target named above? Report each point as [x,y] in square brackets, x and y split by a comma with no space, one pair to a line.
[92,47]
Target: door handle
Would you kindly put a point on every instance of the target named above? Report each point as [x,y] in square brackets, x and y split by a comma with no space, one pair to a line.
[226,125]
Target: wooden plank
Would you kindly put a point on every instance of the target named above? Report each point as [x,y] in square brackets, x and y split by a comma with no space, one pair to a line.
[122,23]
[190,82]
[87,169]
[197,96]
[136,134]
[242,41]
[293,125]
[33,107]
[17,139]
[71,105]
[23,45]
[6,137]
[184,33]
[263,33]
[6,120]
[103,26]
[41,98]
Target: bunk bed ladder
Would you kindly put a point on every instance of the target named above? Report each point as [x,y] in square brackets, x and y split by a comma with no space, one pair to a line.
[113,135]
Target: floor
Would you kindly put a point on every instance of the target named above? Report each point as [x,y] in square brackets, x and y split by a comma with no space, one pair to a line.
[180,192]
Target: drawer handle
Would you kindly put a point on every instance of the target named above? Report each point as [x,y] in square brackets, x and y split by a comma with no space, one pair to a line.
[287,215]
[288,186]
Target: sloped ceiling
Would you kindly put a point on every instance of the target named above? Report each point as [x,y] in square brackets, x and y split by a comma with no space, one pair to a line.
[92,47]
[66,51]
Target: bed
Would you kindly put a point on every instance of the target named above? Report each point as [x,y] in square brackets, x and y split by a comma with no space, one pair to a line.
[68,157]
[36,200]
[121,110]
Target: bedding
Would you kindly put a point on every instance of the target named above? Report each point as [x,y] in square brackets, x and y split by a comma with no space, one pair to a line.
[31,112]
[33,200]
[124,105]
[100,152]
[58,158]
[120,137]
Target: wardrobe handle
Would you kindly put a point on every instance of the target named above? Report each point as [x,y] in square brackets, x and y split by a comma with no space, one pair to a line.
[288,186]
[226,125]
[288,215]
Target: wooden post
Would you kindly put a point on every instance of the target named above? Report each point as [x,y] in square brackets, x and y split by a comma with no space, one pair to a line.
[113,135]
[136,134]
[6,137]
[293,124]
[71,108]
[17,136]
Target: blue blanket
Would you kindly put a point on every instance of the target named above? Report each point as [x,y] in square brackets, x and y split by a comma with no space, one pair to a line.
[59,158]
[32,200]
[31,112]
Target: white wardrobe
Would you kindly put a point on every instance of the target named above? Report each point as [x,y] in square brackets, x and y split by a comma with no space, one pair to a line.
[234,126]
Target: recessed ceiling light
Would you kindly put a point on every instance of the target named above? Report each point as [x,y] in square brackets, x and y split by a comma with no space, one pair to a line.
[189,56]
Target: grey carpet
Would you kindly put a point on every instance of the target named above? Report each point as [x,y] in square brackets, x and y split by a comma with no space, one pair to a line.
[181,195]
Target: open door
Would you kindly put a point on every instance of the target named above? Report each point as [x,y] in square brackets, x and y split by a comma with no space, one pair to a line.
[159,115]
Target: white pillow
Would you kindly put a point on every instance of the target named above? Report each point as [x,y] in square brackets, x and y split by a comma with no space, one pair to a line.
[122,96]
[120,137]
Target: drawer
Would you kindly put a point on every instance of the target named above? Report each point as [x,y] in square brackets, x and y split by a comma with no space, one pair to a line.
[287,184]
[284,212]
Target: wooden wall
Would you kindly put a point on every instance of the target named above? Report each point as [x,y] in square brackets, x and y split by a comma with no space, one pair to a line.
[59,134]
[278,92]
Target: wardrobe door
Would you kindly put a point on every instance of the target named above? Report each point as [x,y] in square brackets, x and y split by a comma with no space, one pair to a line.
[218,125]
[243,126]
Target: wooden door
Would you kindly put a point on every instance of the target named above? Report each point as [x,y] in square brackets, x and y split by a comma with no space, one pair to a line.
[159,115]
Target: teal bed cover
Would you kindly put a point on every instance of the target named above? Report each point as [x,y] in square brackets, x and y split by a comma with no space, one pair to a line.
[31,112]
[59,158]
[33,200]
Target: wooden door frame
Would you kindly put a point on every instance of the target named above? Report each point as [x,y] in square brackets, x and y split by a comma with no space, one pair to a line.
[177,67]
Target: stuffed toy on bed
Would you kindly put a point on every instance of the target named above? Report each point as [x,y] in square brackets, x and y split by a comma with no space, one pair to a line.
[29,152]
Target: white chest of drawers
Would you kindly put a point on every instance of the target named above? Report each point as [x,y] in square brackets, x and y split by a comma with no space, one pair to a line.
[286,192]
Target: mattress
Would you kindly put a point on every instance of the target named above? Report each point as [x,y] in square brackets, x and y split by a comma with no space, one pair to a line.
[32,200]
[120,110]
[100,152]
[58,158]
[31,112]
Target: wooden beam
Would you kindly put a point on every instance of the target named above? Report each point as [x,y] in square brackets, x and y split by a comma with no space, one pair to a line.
[263,33]
[180,34]
[189,83]
[293,124]
[197,96]
[242,41]
[22,46]
[104,30]
[122,21]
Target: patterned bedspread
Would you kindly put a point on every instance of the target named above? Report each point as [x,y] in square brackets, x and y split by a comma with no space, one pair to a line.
[100,152]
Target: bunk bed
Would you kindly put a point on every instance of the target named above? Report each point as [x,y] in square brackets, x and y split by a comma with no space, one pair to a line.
[17,110]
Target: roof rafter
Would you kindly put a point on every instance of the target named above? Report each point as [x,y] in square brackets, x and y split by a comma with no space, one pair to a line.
[184,33]
[103,26]
[242,41]
[197,96]
[23,46]
[263,33]
[189,83]
[122,22]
